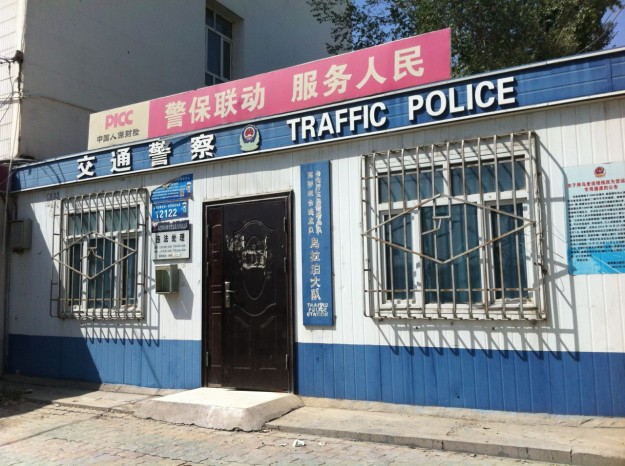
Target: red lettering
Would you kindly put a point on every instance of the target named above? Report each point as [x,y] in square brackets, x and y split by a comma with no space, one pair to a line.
[115,120]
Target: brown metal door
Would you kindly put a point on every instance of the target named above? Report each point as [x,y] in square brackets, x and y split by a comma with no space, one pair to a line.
[248,313]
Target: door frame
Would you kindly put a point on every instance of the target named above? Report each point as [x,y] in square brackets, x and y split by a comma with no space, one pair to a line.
[205,356]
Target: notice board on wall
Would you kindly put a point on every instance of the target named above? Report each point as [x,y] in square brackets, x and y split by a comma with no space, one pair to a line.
[595,199]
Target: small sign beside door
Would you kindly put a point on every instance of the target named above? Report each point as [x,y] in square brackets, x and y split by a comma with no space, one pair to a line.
[170,206]
[171,240]
[317,292]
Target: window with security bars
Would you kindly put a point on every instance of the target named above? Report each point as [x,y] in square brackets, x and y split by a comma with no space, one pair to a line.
[101,258]
[452,230]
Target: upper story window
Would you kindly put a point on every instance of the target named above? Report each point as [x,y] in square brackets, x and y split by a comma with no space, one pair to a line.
[453,230]
[218,48]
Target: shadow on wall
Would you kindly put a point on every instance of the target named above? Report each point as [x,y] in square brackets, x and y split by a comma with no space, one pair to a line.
[504,380]
[159,364]
[544,367]
[129,352]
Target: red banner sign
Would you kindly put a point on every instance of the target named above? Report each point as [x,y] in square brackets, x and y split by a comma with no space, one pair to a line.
[395,65]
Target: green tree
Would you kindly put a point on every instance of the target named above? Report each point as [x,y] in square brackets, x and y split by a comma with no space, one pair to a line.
[486,34]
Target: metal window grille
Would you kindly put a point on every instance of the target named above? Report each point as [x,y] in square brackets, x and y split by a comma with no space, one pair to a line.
[452,230]
[101,262]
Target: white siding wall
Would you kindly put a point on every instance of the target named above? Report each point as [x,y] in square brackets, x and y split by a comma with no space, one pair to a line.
[585,312]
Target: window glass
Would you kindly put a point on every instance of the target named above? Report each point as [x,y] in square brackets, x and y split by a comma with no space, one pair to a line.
[81,224]
[120,219]
[210,18]
[398,262]
[448,236]
[223,26]
[213,52]
[129,272]
[503,178]
[99,265]
[510,265]
[409,183]
[73,279]
[226,61]
[218,48]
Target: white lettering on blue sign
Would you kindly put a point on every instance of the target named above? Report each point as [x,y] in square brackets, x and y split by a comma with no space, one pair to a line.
[159,152]
[483,95]
[121,159]
[85,166]
[316,238]
[169,211]
[332,123]
[202,146]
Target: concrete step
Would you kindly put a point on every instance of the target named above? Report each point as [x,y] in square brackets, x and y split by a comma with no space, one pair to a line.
[219,408]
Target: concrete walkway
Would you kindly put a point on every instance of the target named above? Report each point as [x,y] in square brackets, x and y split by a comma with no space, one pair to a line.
[537,437]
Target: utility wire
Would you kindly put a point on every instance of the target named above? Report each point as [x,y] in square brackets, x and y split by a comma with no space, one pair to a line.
[608,20]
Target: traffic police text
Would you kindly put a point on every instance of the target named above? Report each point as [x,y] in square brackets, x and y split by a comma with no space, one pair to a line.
[485,95]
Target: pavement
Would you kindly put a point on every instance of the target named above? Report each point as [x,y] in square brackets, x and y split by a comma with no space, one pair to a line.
[536,437]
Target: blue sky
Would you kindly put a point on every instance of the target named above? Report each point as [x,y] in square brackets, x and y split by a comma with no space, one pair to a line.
[619,38]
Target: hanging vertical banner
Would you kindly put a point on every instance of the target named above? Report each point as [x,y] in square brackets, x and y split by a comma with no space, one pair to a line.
[595,196]
[317,292]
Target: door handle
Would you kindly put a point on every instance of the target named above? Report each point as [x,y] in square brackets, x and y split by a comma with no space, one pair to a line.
[227,293]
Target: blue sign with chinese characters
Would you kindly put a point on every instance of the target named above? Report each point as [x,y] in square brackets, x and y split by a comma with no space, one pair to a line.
[595,199]
[317,291]
[532,86]
[174,190]
[170,211]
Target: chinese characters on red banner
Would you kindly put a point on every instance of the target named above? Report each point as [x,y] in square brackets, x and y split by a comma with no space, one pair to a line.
[395,65]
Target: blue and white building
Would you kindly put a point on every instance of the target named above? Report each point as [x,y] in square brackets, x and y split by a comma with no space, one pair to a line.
[457,244]
[62,61]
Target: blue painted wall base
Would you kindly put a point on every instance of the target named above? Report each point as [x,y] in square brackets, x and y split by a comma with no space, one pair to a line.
[576,383]
[524,381]
[146,363]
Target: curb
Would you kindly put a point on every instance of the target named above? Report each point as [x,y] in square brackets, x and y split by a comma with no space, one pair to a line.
[91,407]
[458,446]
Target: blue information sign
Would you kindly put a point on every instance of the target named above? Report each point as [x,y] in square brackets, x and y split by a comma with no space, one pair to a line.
[572,79]
[170,211]
[174,190]
[317,293]
[595,196]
